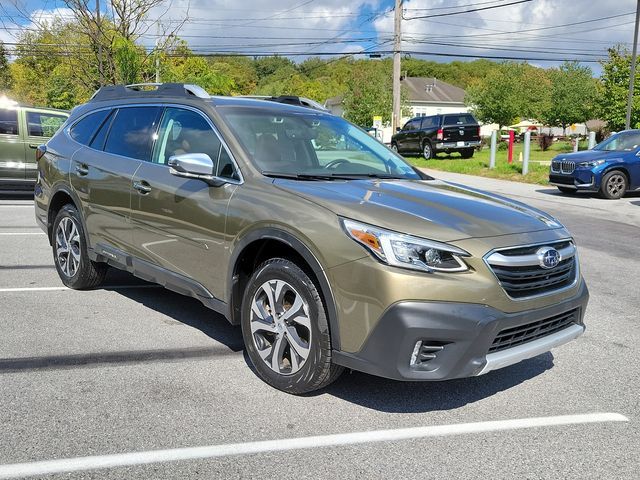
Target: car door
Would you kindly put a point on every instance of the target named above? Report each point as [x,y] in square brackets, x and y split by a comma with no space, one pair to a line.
[12,154]
[405,138]
[179,223]
[39,127]
[102,175]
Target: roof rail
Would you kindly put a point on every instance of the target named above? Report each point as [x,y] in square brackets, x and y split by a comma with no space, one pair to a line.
[115,92]
[291,100]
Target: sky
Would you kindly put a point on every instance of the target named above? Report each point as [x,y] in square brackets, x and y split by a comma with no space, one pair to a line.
[544,32]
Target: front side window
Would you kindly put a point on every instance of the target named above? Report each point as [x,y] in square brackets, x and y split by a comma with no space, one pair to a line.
[8,121]
[132,131]
[184,131]
[312,144]
[83,131]
[44,124]
[620,142]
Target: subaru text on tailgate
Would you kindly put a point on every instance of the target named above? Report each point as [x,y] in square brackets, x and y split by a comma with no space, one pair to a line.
[325,246]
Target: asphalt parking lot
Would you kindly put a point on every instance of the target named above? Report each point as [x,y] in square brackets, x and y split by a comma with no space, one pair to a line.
[132,368]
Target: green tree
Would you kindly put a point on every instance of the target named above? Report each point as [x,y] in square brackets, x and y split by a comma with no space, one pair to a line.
[369,92]
[573,95]
[614,89]
[508,92]
[198,71]
[5,73]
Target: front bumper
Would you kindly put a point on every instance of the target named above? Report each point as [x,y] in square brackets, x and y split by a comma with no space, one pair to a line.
[579,180]
[466,333]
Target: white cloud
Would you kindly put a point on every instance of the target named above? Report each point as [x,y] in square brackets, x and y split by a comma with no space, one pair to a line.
[481,33]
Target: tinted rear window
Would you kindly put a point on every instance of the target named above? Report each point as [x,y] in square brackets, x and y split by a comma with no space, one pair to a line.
[461,119]
[8,122]
[132,130]
[44,124]
[83,131]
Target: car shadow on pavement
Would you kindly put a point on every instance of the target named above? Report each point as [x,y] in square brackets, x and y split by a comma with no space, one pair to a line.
[554,192]
[419,397]
[180,308]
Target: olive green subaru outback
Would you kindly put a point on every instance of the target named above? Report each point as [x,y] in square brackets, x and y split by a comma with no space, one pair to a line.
[324,245]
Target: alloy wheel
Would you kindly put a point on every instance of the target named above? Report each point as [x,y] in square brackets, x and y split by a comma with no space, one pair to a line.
[616,185]
[427,152]
[68,246]
[281,327]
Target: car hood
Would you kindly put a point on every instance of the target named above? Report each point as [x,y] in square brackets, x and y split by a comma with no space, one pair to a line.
[588,155]
[427,208]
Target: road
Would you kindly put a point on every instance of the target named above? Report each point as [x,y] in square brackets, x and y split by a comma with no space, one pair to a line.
[132,368]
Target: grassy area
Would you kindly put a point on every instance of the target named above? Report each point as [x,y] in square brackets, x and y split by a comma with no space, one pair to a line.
[479,164]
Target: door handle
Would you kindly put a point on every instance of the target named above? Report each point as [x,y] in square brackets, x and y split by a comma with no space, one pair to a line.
[142,187]
[33,145]
[82,169]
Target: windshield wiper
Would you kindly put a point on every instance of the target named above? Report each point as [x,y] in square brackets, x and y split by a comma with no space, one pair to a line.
[299,176]
[331,176]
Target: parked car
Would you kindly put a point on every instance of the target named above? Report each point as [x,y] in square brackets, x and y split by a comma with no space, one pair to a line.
[451,132]
[325,246]
[611,168]
[22,129]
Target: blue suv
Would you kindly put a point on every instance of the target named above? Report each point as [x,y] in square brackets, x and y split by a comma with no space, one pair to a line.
[611,168]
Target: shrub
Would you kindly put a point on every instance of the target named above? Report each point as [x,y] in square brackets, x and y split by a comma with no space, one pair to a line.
[545,141]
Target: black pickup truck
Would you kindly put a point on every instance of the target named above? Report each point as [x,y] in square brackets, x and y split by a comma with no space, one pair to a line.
[449,132]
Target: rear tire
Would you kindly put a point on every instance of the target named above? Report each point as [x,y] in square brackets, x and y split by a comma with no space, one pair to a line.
[427,151]
[614,185]
[394,147]
[467,153]
[285,328]
[70,255]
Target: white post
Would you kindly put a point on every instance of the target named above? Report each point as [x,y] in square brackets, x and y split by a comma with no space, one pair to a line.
[575,145]
[492,157]
[527,150]
[592,140]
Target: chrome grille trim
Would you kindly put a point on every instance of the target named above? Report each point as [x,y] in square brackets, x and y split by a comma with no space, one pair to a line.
[516,272]
[566,167]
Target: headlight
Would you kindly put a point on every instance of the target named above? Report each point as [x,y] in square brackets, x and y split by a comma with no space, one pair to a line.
[406,251]
[592,163]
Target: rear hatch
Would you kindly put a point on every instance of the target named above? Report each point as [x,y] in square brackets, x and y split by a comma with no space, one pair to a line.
[461,127]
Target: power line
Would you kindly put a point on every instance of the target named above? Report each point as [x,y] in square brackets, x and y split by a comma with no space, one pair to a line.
[468,11]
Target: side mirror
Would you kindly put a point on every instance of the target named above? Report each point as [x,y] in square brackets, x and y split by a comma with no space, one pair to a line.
[398,129]
[198,166]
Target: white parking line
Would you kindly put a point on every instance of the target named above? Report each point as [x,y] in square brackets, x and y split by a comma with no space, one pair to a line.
[55,289]
[213,451]
[21,233]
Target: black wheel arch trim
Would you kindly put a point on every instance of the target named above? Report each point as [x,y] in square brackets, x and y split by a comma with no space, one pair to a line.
[289,239]
[64,188]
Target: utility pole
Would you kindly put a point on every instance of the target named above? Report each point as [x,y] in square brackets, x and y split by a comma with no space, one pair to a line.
[98,37]
[397,45]
[158,42]
[632,77]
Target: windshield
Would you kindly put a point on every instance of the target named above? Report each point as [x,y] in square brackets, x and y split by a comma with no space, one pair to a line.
[312,144]
[620,142]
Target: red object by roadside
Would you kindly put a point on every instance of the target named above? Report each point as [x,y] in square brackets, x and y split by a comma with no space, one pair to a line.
[512,138]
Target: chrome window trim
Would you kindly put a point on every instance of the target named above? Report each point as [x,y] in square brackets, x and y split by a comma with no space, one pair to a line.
[540,244]
[67,131]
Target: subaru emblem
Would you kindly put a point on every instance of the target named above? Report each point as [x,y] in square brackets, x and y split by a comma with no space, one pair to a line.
[548,257]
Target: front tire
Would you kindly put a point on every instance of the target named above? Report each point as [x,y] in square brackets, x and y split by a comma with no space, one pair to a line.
[285,328]
[70,255]
[614,185]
